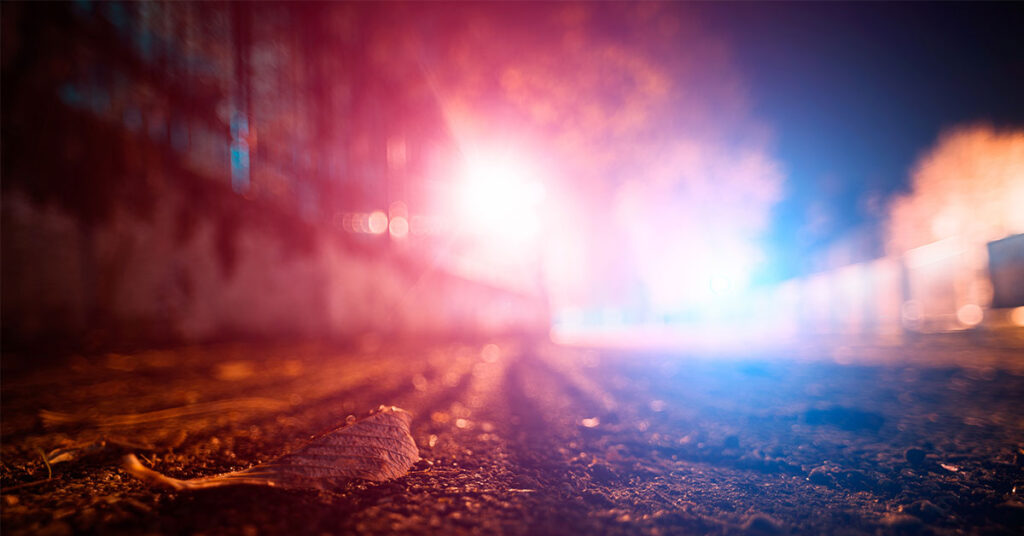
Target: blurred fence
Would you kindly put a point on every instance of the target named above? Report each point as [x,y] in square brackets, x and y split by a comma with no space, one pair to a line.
[947,285]
[861,300]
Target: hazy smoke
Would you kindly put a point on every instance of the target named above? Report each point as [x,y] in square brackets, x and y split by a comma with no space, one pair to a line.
[656,165]
[970,185]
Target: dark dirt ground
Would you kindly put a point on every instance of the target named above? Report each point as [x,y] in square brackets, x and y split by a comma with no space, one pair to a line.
[525,437]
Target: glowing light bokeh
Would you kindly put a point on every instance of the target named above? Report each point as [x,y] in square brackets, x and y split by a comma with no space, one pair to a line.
[721,285]
[970,314]
[689,276]
[490,353]
[399,227]
[1017,316]
[500,195]
[377,223]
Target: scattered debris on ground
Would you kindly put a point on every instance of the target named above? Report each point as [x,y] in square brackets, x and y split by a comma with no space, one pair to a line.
[534,439]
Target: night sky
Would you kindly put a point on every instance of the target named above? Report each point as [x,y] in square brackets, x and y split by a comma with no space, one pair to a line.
[855,93]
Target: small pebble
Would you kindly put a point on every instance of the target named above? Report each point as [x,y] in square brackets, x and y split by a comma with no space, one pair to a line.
[915,456]
[56,528]
[901,522]
[890,486]
[923,509]
[1011,512]
[762,524]
[526,482]
[820,476]
[857,480]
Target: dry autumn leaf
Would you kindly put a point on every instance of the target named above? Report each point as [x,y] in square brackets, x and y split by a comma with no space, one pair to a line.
[378,447]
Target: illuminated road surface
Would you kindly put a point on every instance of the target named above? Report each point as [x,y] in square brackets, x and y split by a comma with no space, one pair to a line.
[530,438]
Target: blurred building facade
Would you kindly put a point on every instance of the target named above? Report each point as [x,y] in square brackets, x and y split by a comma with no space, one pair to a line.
[959,229]
[193,170]
[954,256]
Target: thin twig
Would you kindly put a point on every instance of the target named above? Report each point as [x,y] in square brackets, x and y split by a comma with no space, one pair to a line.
[49,470]
[27,484]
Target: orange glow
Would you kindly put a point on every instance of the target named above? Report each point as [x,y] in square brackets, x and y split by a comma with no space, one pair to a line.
[490,353]
[1017,316]
[966,192]
[970,314]
[968,186]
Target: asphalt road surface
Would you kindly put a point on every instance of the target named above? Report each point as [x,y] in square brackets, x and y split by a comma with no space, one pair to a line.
[524,437]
